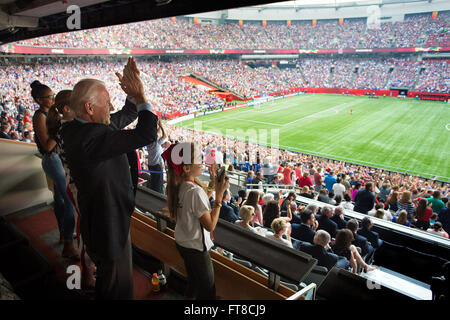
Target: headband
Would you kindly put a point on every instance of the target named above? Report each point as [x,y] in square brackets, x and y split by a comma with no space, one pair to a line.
[167,156]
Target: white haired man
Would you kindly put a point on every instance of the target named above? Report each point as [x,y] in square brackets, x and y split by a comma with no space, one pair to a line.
[96,149]
[322,252]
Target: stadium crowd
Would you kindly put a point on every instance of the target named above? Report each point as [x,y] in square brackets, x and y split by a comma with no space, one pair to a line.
[413,31]
[337,183]
[169,93]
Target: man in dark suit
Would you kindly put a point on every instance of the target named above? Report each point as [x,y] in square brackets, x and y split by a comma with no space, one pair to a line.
[338,218]
[325,223]
[372,236]
[365,199]
[306,230]
[322,252]
[96,152]
[367,250]
[228,212]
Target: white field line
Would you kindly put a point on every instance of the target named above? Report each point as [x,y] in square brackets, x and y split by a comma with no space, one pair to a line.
[335,108]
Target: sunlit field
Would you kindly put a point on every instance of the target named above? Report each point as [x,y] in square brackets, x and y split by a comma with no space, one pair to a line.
[402,135]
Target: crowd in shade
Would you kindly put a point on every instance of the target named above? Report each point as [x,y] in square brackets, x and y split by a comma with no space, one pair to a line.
[416,30]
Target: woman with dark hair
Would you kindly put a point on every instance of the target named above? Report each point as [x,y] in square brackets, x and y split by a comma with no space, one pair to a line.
[285,206]
[271,212]
[423,214]
[52,165]
[343,247]
[252,200]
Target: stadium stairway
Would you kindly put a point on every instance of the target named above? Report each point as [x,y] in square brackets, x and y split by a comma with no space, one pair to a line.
[215,88]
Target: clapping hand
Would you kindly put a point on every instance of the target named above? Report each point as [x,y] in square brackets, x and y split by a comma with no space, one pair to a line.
[130,81]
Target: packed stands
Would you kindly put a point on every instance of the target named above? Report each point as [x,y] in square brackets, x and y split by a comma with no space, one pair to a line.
[416,30]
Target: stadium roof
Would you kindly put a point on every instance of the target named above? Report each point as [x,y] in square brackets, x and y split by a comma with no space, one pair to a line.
[24,19]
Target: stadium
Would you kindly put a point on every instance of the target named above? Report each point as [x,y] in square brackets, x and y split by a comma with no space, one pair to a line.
[294,99]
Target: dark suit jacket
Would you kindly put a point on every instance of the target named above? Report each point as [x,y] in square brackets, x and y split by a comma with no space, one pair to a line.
[96,155]
[328,225]
[228,213]
[302,232]
[363,243]
[364,201]
[341,224]
[371,236]
[324,258]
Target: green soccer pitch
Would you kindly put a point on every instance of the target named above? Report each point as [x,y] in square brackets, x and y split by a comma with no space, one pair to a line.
[396,134]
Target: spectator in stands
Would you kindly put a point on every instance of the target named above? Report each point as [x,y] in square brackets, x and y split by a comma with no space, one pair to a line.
[365,199]
[402,218]
[355,189]
[154,160]
[325,222]
[280,227]
[242,196]
[338,218]
[307,229]
[228,212]
[286,205]
[52,165]
[271,212]
[405,203]
[436,203]
[246,214]
[444,217]
[250,176]
[385,191]
[266,198]
[423,214]
[322,252]
[367,232]
[195,219]
[393,202]
[367,250]
[305,180]
[323,196]
[253,200]
[258,181]
[28,137]
[347,203]
[330,180]
[318,179]
[5,130]
[287,175]
[106,200]
[306,192]
[380,213]
[338,200]
[338,188]
[438,230]
[343,247]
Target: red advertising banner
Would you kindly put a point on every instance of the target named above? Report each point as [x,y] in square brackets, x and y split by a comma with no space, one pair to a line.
[12,48]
